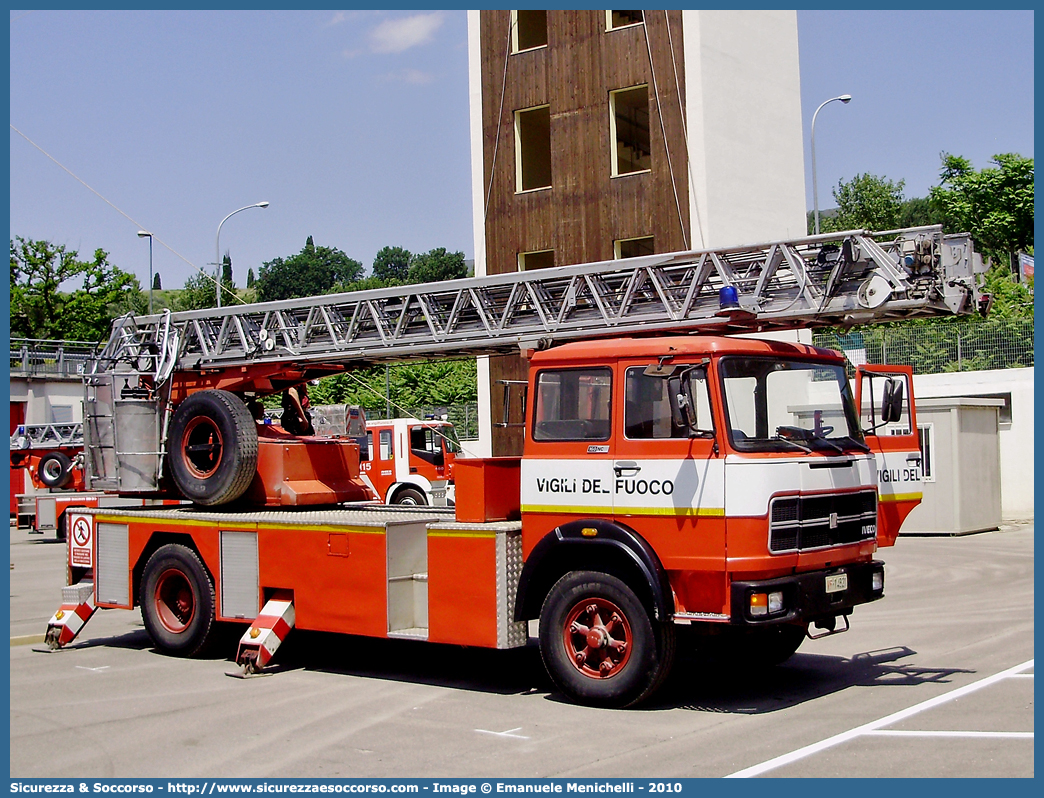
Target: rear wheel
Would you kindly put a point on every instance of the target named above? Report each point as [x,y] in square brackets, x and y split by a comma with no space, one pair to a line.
[213,447]
[598,642]
[55,469]
[410,496]
[177,601]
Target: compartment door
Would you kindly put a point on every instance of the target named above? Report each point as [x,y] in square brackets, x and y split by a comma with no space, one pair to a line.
[884,395]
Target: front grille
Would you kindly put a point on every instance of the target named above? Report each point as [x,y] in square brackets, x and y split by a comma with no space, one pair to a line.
[797,523]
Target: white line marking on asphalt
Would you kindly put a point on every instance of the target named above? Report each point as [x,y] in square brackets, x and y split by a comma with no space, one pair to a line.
[85,668]
[895,717]
[911,733]
[508,733]
[1022,676]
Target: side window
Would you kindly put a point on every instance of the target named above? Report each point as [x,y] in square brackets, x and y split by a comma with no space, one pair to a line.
[365,446]
[648,412]
[424,443]
[386,444]
[573,405]
[879,391]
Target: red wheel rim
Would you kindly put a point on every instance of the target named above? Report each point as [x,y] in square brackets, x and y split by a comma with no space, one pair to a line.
[597,638]
[174,601]
[201,447]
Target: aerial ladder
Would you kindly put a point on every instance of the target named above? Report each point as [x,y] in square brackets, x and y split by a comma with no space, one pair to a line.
[155,389]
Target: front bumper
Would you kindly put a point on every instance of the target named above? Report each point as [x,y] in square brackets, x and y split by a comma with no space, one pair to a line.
[805,598]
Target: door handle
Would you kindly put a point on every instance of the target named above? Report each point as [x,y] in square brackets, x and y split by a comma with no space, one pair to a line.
[626,465]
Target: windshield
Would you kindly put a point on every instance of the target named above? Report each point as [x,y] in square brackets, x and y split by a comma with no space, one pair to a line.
[450,442]
[777,405]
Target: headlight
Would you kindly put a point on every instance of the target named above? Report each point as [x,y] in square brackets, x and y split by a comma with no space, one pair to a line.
[775,602]
[877,581]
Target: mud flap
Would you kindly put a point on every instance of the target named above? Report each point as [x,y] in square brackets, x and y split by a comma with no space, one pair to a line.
[77,608]
[268,631]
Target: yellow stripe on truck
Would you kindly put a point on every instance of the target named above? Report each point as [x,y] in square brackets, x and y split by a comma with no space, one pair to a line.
[678,512]
[900,497]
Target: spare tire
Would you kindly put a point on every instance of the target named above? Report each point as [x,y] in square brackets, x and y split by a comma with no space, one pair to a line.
[55,470]
[212,448]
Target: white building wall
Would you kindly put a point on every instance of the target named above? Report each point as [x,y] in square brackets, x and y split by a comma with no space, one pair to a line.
[483,447]
[743,103]
[49,401]
[1016,437]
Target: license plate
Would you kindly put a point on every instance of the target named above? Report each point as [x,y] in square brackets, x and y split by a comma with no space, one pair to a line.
[836,583]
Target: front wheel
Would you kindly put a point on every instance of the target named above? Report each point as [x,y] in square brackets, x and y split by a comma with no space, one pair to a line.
[177,601]
[599,644]
[410,497]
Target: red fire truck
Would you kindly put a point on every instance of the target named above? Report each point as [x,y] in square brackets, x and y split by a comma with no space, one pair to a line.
[734,486]
[410,461]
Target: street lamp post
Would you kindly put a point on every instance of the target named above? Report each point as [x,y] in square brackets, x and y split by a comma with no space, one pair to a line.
[147,234]
[217,246]
[846,99]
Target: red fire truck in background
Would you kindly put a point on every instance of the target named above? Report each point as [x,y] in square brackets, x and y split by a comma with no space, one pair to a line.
[409,461]
[739,487]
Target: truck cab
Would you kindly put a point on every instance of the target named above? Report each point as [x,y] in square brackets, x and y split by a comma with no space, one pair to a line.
[410,461]
[737,473]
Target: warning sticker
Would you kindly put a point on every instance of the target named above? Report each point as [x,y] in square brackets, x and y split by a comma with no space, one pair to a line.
[81,548]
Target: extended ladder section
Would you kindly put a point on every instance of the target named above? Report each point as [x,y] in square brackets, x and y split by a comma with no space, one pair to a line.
[46,436]
[832,279]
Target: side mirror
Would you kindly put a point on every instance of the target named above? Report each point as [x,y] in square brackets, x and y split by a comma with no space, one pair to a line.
[683,415]
[892,403]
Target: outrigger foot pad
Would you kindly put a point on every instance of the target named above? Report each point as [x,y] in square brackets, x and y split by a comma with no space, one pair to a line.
[250,667]
[77,608]
[268,631]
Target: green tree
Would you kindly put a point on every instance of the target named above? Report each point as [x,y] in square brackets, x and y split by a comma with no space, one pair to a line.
[226,271]
[313,271]
[436,265]
[920,211]
[391,263]
[868,202]
[250,277]
[39,309]
[157,284]
[198,293]
[994,204]
[412,385]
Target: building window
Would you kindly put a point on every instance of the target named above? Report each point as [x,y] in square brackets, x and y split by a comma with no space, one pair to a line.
[529,30]
[633,247]
[926,441]
[533,148]
[61,414]
[623,19]
[629,130]
[528,261]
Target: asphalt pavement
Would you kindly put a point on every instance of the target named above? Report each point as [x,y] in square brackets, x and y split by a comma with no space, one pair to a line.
[936,679]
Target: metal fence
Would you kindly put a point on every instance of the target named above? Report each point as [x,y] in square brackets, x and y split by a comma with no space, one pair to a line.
[933,347]
[464,417]
[32,357]
[331,420]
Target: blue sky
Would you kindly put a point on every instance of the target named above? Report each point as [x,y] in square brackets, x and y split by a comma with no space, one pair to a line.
[354,124]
